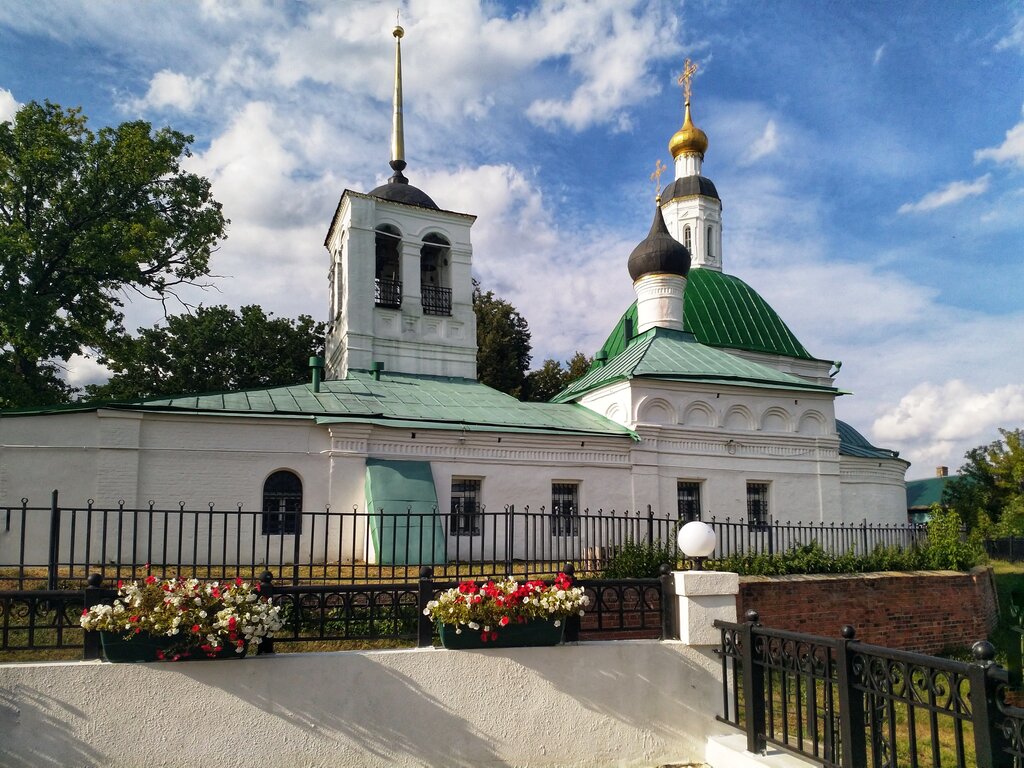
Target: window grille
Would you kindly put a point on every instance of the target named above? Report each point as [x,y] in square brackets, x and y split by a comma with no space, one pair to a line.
[757,504]
[282,504]
[688,494]
[466,517]
[565,509]
[388,293]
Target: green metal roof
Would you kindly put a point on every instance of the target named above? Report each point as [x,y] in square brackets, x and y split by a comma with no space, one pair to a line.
[661,353]
[723,311]
[921,494]
[853,443]
[399,400]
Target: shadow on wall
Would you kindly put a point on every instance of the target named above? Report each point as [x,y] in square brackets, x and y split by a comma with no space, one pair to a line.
[384,713]
[52,741]
[680,685]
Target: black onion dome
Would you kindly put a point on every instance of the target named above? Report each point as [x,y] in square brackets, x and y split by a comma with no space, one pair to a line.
[689,186]
[659,252]
[399,190]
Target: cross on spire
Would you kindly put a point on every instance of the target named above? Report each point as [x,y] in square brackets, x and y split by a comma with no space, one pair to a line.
[686,78]
[659,168]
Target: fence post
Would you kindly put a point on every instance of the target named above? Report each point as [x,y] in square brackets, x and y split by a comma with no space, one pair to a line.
[424,627]
[267,590]
[864,536]
[668,604]
[650,526]
[986,677]
[852,735]
[54,549]
[296,550]
[753,688]
[572,623]
[91,640]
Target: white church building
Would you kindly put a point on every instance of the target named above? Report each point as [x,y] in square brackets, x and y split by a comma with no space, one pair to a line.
[701,402]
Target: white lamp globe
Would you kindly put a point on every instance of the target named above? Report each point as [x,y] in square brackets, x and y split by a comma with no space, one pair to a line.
[697,539]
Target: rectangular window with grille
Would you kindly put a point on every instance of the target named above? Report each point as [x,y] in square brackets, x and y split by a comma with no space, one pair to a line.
[688,495]
[465,518]
[757,504]
[565,509]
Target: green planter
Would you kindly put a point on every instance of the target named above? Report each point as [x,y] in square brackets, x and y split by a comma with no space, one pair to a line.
[145,647]
[539,632]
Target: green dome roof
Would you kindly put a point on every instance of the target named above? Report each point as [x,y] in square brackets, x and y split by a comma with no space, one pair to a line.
[723,311]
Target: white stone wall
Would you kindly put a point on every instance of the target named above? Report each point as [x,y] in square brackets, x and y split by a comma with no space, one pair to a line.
[874,490]
[626,703]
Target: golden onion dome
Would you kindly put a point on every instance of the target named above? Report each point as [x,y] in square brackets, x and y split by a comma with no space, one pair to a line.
[689,138]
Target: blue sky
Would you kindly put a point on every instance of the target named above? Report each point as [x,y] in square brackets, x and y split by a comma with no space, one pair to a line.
[870,158]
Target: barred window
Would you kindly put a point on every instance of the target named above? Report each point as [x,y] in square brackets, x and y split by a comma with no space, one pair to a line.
[565,509]
[465,518]
[688,495]
[757,504]
[282,504]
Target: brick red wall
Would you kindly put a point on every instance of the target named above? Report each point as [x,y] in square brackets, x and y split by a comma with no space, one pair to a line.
[923,611]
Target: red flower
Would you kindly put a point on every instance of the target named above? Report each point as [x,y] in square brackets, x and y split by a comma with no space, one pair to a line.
[151,579]
[504,621]
[238,581]
[120,583]
[483,637]
[206,647]
[195,629]
[133,619]
[232,621]
[494,635]
[85,611]
[160,654]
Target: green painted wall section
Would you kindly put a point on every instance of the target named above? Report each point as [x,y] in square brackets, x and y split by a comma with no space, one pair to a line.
[402,504]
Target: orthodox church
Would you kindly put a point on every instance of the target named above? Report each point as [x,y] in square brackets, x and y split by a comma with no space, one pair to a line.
[700,402]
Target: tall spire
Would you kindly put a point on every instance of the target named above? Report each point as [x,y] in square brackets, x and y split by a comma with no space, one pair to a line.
[397,126]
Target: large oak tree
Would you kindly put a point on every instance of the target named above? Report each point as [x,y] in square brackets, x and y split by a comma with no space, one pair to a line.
[87,219]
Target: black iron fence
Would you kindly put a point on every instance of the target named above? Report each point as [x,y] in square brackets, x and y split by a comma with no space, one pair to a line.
[850,704]
[333,614]
[61,544]
[1006,548]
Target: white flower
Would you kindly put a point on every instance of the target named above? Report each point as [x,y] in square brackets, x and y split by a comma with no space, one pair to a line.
[473,625]
[558,623]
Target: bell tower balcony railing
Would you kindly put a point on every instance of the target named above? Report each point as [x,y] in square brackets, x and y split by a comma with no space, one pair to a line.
[388,293]
[436,300]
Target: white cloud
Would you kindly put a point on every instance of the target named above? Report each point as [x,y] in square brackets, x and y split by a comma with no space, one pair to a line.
[933,420]
[1010,151]
[953,192]
[81,370]
[1015,37]
[766,144]
[171,89]
[879,53]
[8,105]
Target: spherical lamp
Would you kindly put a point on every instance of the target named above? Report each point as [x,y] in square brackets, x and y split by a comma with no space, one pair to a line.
[697,540]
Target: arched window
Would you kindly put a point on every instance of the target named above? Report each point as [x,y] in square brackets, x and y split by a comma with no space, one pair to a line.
[434,258]
[282,504]
[388,274]
[711,250]
[687,238]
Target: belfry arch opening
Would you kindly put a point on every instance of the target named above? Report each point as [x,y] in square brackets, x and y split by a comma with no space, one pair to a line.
[388,274]
[435,285]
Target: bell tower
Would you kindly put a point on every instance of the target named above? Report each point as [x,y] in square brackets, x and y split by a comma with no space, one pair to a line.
[691,205]
[401,289]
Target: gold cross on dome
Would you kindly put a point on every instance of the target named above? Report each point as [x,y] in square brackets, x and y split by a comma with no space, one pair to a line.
[659,168]
[686,78]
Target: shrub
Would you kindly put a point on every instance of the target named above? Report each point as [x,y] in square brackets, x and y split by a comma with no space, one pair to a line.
[635,560]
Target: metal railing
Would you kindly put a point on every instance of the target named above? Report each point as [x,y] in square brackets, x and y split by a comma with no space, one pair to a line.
[436,300]
[46,546]
[850,704]
[393,613]
[387,293]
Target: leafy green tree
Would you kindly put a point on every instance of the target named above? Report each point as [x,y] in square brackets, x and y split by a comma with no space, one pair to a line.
[503,343]
[85,219]
[551,378]
[990,483]
[216,349]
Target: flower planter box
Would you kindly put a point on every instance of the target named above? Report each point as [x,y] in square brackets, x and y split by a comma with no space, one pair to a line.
[533,633]
[147,647]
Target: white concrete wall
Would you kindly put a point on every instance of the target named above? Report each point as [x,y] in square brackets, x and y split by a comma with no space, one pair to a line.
[874,490]
[596,704]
